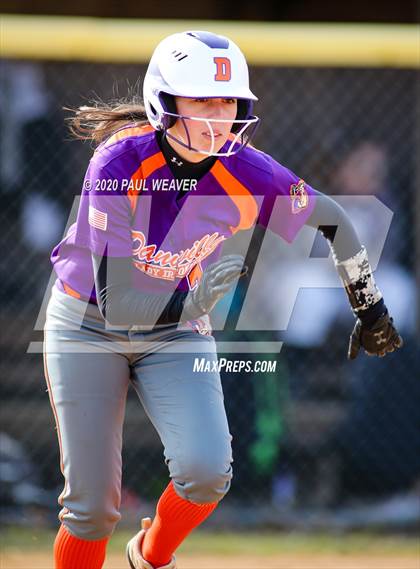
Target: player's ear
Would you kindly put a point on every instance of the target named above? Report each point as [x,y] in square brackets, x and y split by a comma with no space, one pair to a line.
[244,111]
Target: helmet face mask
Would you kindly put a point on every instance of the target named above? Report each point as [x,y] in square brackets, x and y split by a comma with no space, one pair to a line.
[199,65]
[241,132]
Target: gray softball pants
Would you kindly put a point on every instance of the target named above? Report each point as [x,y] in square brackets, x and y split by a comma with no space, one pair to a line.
[88,370]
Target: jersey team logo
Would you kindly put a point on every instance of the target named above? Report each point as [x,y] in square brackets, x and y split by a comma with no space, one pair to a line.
[170,266]
[299,196]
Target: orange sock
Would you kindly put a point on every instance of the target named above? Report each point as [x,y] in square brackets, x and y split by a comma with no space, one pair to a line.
[175,519]
[73,553]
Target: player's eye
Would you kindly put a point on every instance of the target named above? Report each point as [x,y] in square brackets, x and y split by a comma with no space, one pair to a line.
[230,101]
[200,100]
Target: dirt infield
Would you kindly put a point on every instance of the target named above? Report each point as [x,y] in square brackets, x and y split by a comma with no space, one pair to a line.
[36,560]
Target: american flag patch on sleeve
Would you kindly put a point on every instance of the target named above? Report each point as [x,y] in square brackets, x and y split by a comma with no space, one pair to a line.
[98,219]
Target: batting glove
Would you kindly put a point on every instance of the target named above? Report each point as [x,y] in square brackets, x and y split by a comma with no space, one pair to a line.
[217,279]
[377,340]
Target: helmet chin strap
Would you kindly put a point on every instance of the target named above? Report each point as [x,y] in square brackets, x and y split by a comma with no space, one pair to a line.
[247,123]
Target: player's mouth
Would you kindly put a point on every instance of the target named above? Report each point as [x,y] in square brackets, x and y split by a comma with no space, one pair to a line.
[215,134]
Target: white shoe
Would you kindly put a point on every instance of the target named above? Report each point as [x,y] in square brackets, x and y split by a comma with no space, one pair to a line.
[133,550]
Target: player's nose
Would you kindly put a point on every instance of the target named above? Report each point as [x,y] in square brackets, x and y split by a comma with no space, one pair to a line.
[218,109]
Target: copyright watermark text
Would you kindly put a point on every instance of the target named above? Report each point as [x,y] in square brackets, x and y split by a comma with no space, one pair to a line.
[127,185]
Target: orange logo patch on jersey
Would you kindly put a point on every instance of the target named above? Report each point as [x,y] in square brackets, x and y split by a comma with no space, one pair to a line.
[299,196]
[223,69]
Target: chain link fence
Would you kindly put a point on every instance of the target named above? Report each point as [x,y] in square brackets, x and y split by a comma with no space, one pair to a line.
[320,432]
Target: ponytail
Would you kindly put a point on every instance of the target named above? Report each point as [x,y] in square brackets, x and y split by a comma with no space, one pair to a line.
[100,121]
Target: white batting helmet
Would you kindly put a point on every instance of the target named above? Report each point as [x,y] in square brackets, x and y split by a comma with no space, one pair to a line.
[199,64]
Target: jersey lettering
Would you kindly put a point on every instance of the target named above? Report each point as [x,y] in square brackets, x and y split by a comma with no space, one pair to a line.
[170,266]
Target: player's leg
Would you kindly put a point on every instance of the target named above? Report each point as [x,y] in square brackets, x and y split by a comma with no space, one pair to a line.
[187,410]
[87,393]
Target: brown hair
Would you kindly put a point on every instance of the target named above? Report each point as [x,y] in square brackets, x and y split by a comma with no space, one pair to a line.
[98,121]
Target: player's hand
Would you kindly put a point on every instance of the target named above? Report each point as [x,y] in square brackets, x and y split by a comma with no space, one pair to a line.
[382,337]
[217,279]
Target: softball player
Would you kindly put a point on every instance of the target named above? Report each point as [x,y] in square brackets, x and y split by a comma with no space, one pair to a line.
[138,274]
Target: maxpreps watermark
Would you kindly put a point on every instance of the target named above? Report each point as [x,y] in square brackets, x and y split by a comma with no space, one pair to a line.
[203,365]
[141,185]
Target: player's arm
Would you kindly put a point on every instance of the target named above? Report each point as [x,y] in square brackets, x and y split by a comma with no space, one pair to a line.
[121,304]
[374,329]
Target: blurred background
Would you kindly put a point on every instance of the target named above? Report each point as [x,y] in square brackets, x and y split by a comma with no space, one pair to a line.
[321,443]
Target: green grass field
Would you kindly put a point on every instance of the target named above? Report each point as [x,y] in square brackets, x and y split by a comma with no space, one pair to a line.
[262,543]
[27,549]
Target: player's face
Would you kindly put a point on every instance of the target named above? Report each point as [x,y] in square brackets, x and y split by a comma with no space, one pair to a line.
[198,131]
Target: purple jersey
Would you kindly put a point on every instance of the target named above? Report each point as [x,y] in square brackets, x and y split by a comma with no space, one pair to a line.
[131,206]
